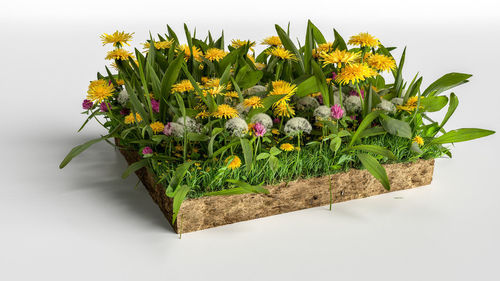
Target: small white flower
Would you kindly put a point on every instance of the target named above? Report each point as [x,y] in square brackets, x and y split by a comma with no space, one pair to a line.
[123,97]
[263,119]
[296,125]
[236,126]
[387,106]
[352,104]
[306,103]
[174,129]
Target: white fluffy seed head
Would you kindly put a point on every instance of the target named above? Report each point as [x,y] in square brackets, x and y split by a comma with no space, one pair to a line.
[352,104]
[323,112]
[296,125]
[242,110]
[255,90]
[177,129]
[191,124]
[387,106]
[263,119]
[123,97]
[397,101]
[236,126]
[307,103]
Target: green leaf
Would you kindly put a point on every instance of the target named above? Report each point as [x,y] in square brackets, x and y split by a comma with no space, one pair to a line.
[396,127]
[179,196]
[250,188]
[263,155]
[288,44]
[177,178]
[274,163]
[170,76]
[134,167]
[318,36]
[374,167]
[82,147]
[242,188]
[87,120]
[446,82]
[339,42]
[274,151]
[398,75]
[433,103]
[215,132]
[267,102]
[246,146]
[335,144]
[367,121]
[373,149]
[460,135]
[374,131]
[306,87]
[321,82]
[451,109]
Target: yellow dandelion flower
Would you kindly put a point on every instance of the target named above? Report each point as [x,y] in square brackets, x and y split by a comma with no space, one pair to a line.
[283,109]
[160,45]
[182,86]
[179,147]
[237,43]
[197,54]
[231,94]
[272,41]
[338,57]
[157,127]
[418,140]
[275,131]
[281,87]
[129,119]
[324,47]
[214,91]
[120,82]
[212,82]
[234,162]
[225,111]
[99,91]
[118,54]
[253,102]
[381,62]
[353,73]
[202,115]
[287,147]
[214,54]
[410,105]
[281,53]
[259,65]
[117,38]
[364,40]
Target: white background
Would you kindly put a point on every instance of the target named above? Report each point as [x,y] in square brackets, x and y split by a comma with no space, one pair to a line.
[86,223]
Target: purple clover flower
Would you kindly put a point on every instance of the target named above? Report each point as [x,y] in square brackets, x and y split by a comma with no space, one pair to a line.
[87,104]
[337,112]
[124,111]
[147,151]
[259,130]
[155,105]
[104,107]
[167,130]
[276,120]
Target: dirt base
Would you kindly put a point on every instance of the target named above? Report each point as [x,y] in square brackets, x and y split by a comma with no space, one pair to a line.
[206,212]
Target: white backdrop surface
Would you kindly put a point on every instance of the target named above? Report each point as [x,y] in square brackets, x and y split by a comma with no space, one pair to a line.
[86,223]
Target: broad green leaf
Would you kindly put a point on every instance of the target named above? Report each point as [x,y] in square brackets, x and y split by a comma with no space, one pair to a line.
[374,167]
[246,146]
[446,82]
[274,151]
[249,187]
[396,127]
[433,103]
[306,87]
[179,196]
[170,76]
[321,82]
[274,163]
[134,167]
[367,121]
[460,135]
[335,144]
[318,36]
[263,155]
[398,75]
[288,44]
[373,149]
[451,109]
[339,42]
[374,131]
